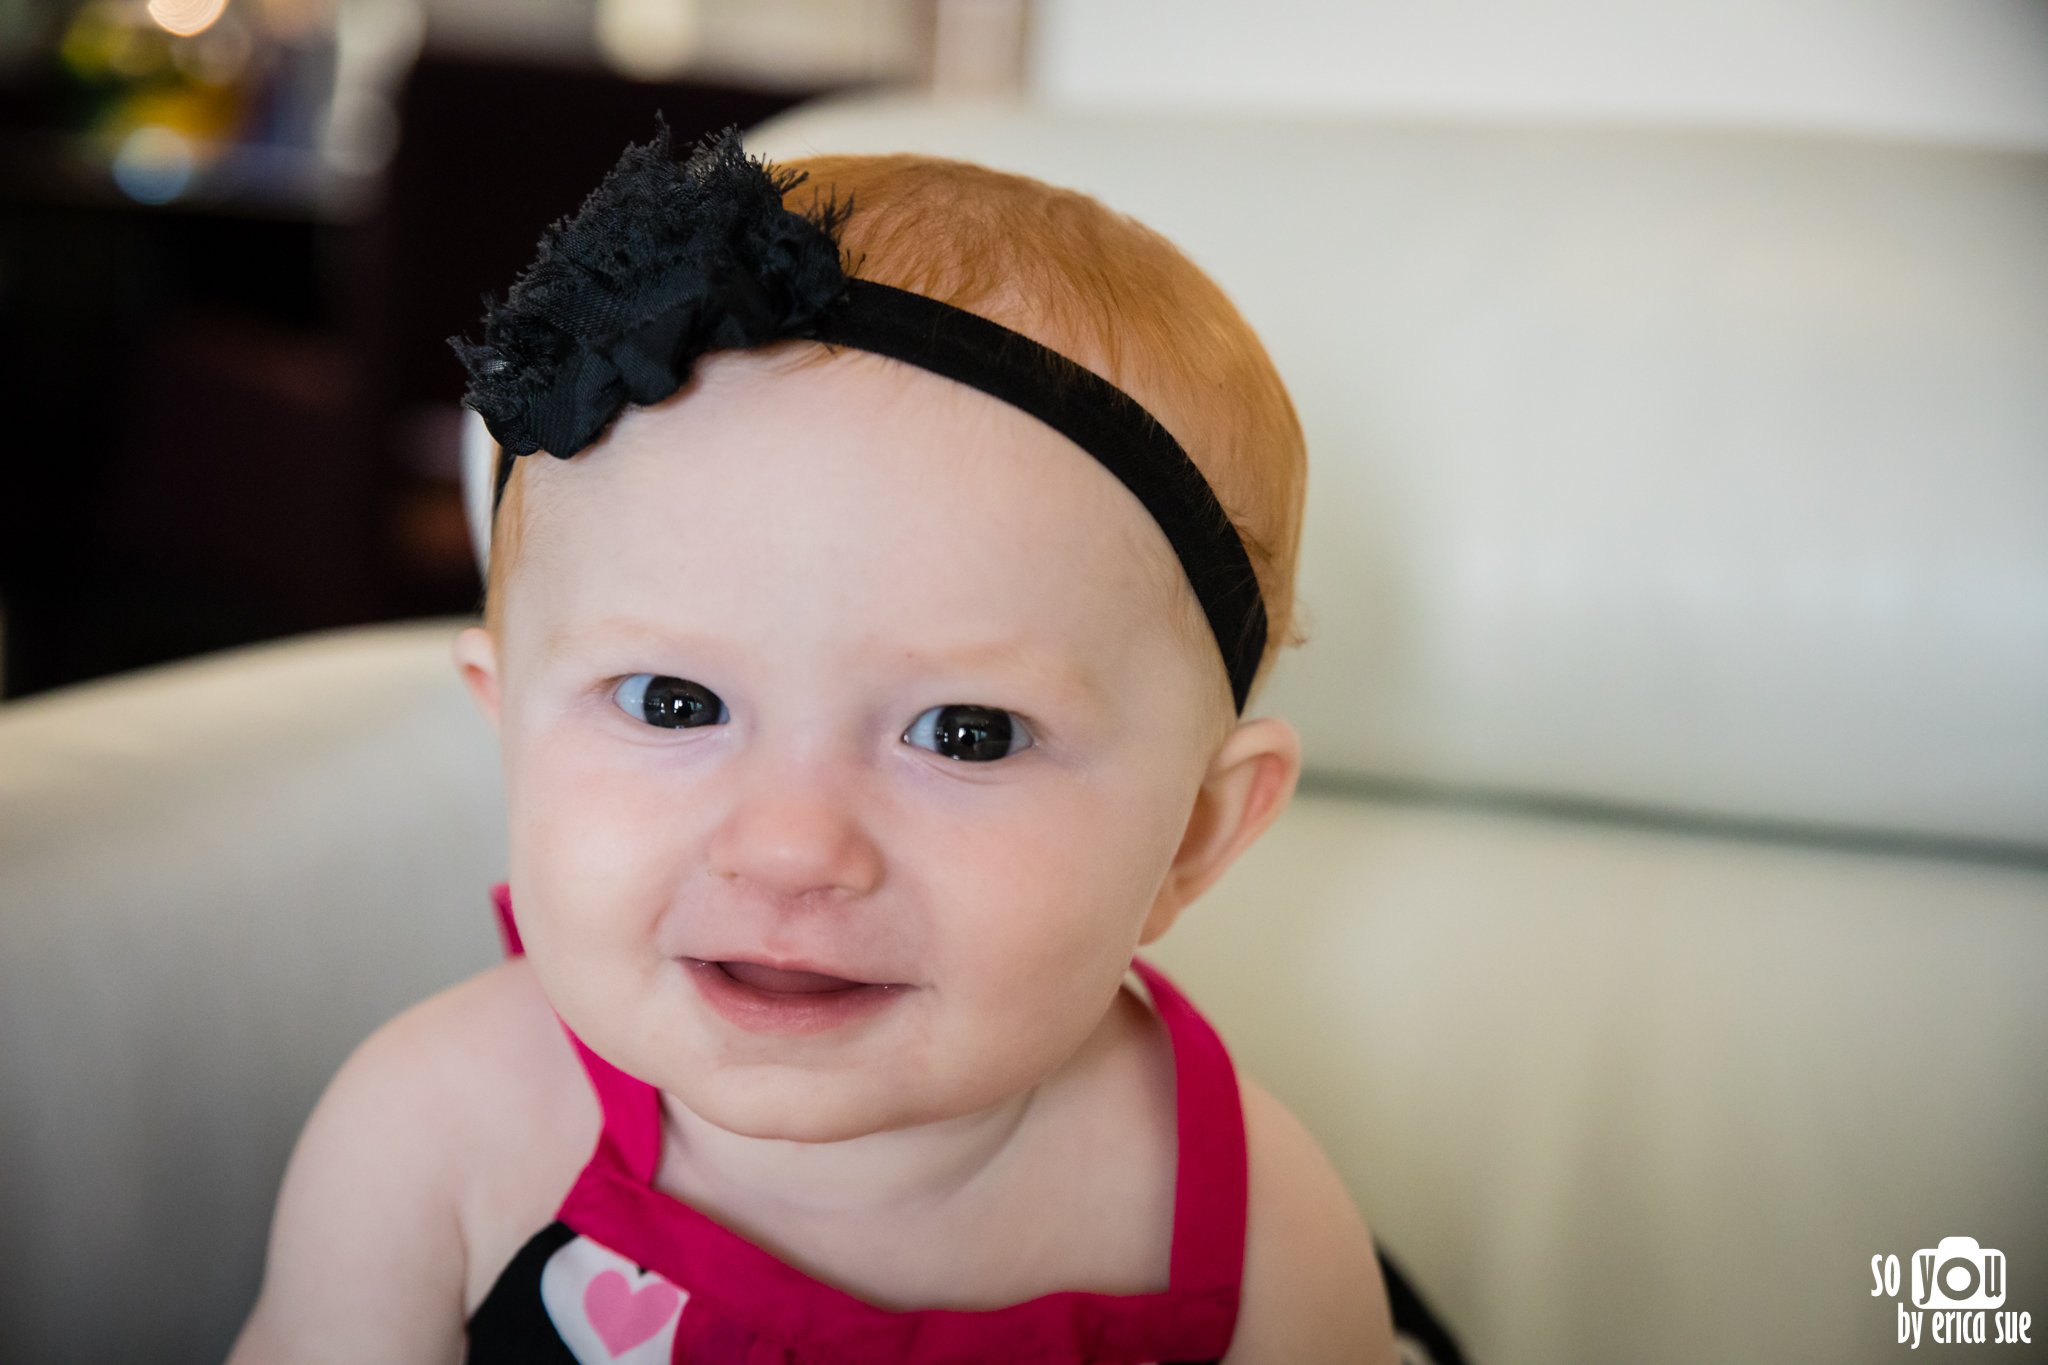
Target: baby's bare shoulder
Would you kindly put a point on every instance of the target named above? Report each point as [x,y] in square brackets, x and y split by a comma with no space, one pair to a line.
[441,1144]
[1312,1287]
[490,1048]
[468,1081]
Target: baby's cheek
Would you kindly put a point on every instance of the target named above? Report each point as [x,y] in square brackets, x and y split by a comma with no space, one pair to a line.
[589,886]
[1057,905]
[595,850]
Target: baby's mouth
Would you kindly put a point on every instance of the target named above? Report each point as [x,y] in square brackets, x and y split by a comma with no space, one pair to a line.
[787,1000]
[784,981]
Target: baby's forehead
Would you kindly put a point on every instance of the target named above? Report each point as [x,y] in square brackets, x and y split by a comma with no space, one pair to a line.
[829,469]
[757,435]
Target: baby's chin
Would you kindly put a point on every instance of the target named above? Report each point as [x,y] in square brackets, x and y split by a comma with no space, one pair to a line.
[790,1105]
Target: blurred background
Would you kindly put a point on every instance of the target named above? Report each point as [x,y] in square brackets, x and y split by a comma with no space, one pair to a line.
[234,234]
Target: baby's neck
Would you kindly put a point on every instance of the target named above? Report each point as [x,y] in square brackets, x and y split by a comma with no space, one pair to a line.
[903,1171]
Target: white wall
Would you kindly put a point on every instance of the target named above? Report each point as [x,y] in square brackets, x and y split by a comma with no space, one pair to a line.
[1953,70]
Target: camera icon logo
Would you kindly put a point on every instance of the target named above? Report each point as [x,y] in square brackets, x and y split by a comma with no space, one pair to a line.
[1958,1274]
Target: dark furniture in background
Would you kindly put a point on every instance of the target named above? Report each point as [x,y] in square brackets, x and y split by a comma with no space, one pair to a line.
[228,425]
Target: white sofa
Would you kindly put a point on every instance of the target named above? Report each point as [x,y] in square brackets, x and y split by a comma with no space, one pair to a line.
[1664,928]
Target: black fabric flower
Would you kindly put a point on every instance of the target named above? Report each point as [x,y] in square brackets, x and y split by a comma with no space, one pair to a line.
[666,260]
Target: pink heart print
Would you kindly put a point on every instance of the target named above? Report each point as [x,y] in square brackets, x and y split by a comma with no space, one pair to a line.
[624,1316]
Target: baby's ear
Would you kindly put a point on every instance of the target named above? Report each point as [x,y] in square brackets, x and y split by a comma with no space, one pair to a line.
[476,658]
[1248,784]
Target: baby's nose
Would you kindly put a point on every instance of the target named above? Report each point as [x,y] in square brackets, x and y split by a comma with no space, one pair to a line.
[793,838]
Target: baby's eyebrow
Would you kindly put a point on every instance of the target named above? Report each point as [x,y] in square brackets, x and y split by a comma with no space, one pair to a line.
[1063,671]
[1052,669]
[567,639]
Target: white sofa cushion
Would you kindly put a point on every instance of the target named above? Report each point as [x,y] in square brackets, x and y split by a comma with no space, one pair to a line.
[215,879]
[1619,1095]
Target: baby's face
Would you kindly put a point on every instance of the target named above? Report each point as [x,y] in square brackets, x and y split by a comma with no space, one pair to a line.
[842,900]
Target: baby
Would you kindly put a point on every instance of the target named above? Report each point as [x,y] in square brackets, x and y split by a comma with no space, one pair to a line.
[870,687]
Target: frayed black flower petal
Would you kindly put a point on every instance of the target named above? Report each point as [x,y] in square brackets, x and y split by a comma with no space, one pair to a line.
[666,261]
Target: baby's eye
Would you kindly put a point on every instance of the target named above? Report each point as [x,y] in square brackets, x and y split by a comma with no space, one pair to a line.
[977,734]
[673,703]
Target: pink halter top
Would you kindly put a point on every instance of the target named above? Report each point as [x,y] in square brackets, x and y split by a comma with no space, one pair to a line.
[627,1275]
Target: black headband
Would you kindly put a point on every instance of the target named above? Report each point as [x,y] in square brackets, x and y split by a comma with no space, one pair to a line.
[667,261]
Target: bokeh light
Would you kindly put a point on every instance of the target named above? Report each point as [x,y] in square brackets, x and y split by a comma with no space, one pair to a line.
[186,17]
[154,165]
[649,40]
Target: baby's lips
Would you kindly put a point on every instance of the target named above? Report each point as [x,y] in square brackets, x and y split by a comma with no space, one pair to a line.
[785,980]
[793,1000]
